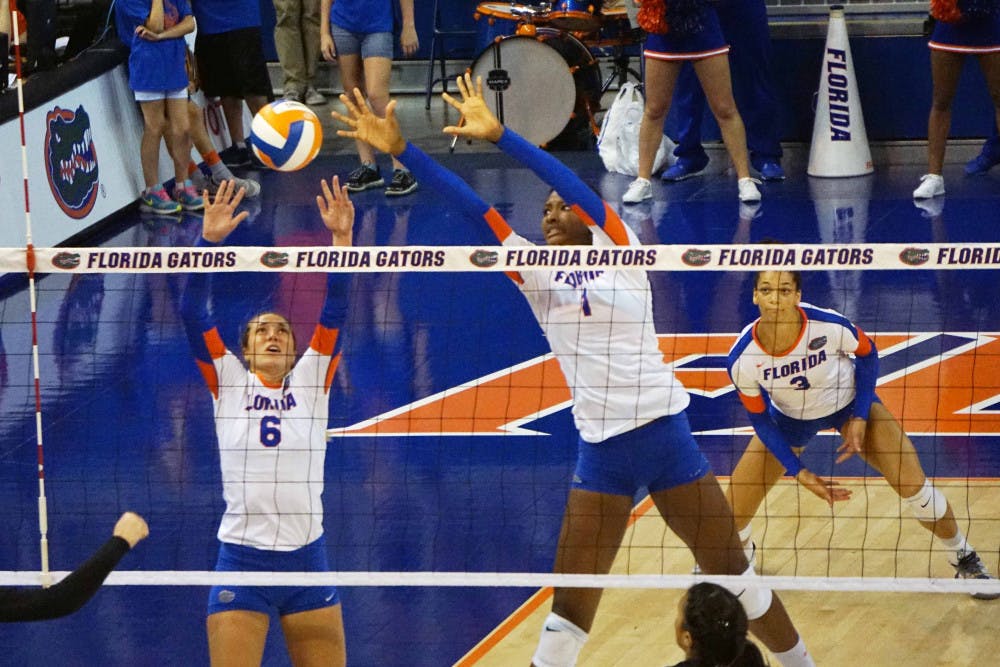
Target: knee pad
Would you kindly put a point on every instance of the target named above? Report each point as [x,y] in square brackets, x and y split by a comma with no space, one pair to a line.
[928,505]
[560,643]
[756,600]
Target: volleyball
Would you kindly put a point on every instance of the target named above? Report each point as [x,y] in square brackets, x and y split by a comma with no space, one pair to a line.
[286,136]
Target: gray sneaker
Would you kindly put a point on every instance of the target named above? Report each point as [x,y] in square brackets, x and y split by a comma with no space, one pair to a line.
[314,97]
[292,96]
[970,566]
[251,186]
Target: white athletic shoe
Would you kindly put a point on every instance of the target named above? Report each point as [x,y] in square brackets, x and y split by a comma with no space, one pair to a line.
[638,190]
[931,185]
[748,190]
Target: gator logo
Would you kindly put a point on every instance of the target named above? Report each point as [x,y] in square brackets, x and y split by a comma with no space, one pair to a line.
[274,260]
[695,257]
[484,258]
[817,343]
[915,256]
[71,161]
[66,260]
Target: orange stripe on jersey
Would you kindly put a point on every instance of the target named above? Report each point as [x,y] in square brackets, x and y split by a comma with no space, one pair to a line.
[501,230]
[613,225]
[496,222]
[865,344]
[754,404]
[213,342]
[209,375]
[324,340]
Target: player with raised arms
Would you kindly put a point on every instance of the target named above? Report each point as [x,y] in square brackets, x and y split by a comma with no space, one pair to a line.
[627,405]
[271,421]
[798,370]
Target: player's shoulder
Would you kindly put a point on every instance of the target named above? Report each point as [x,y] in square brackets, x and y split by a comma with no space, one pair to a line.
[827,315]
[744,343]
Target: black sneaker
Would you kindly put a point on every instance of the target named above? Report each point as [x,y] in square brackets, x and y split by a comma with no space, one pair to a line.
[364,178]
[402,183]
[970,566]
[235,157]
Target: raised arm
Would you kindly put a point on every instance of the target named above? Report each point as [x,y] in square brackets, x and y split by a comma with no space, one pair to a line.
[337,212]
[479,122]
[384,135]
[206,344]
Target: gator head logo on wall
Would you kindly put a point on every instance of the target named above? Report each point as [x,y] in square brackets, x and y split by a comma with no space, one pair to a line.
[71,161]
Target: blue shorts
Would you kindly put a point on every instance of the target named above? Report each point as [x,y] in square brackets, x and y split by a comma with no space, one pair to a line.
[284,599]
[707,42]
[369,45]
[799,432]
[970,36]
[659,455]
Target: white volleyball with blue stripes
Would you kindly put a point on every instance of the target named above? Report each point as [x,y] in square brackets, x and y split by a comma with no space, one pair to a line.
[285,135]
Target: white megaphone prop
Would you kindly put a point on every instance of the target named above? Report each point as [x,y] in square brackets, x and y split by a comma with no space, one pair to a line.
[839,141]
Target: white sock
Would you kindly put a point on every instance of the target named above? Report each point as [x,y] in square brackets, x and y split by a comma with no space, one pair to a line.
[797,656]
[957,543]
[746,533]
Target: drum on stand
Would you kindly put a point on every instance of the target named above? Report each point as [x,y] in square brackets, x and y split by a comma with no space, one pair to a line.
[575,15]
[541,86]
[500,19]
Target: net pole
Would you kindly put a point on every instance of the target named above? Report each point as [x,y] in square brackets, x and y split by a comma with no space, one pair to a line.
[43,512]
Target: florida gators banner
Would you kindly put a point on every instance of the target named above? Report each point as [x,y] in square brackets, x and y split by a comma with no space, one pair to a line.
[374,259]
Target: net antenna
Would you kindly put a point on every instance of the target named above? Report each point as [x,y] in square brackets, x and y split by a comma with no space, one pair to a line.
[43,512]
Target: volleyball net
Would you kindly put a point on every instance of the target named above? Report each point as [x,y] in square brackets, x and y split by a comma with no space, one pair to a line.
[451,442]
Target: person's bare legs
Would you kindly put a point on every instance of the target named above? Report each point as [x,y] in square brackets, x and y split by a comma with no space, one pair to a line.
[352,75]
[713,74]
[945,70]
[592,531]
[660,79]
[315,638]
[699,514]
[236,638]
[377,74]
[154,123]
[754,476]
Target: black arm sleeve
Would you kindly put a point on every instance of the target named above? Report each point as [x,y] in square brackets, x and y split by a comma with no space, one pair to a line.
[62,599]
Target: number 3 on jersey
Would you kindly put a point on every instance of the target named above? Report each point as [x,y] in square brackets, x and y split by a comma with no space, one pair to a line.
[801,382]
[270,431]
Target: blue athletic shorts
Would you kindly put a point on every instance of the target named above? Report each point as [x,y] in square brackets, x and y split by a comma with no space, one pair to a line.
[284,599]
[799,432]
[659,455]
[708,41]
[369,45]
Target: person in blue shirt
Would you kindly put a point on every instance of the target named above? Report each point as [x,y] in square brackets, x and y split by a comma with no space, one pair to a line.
[154,32]
[231,66]
[358,34]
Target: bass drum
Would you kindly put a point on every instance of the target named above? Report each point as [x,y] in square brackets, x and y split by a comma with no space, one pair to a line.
[545,87]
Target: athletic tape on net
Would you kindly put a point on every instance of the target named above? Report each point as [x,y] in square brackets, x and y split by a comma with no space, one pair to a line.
[515,579]
[368,259]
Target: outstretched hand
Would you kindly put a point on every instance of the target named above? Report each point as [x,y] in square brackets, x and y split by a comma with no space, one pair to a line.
[382,134]
[219,219]
[337,211]
[478,122]
[826,489]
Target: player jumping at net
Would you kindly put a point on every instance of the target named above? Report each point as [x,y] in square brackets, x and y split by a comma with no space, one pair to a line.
[798,370]
[627,405]
[271,420]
